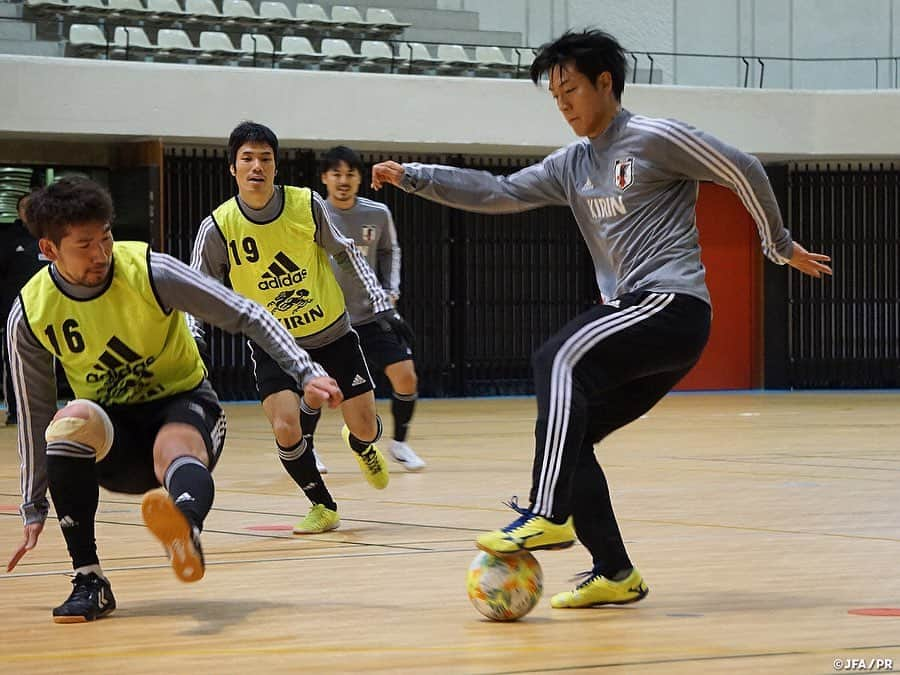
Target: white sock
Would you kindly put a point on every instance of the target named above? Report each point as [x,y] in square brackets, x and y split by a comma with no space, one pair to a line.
[87,569]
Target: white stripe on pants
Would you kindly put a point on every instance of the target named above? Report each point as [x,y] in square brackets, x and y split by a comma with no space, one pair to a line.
[571,351]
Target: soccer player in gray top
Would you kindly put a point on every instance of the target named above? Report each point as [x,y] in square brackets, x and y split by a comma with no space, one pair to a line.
[371,226]
[631,183]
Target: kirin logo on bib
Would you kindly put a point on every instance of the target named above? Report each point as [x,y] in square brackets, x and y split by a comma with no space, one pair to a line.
[624,173]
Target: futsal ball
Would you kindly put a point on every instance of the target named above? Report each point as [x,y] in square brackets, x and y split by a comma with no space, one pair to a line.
[505,588]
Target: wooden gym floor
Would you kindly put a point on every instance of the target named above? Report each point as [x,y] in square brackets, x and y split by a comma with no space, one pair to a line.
[758,520]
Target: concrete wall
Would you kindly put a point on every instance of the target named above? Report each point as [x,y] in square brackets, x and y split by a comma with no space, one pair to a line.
[71,99]
[768,28]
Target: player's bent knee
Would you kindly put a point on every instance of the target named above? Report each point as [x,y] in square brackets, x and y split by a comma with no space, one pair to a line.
[402,376]
[85,423]
[286,430]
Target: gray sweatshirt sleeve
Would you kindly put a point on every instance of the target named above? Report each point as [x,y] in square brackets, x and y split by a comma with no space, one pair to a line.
[348,257]
[184,288]
[34,382]
[389,257]
[483,192]
[210,257]
[696,155]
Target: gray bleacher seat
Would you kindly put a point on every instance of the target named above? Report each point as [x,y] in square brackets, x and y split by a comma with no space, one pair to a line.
[415,56]
[258,50]
[522,58]
[86,40]
[492,61]
[313,16]
[131,9]
[377,56]
[217,46]
[241,12]
[46,6]
[95,4]
[337,54]
[349,18]
[131,42]
[261,44]
[454,58]
[276,13]
[87,8]
[166,9]
[384,20]
[174,43]
[297,51]
[202,9]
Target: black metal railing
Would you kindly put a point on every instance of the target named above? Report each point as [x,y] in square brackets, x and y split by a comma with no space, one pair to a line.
[844,331]
[749,70]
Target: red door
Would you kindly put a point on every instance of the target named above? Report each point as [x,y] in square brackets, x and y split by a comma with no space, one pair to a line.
[731,254]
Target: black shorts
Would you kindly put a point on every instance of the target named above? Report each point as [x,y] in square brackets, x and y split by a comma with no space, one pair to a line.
[382,347]
[342,359]
[128,467]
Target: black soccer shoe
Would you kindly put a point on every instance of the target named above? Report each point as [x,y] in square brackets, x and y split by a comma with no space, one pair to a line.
[91,598]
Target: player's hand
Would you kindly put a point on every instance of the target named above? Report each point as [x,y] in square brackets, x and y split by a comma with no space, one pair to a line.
[321,389]
[391,320]
[387,172]
[809,263]
[32,532]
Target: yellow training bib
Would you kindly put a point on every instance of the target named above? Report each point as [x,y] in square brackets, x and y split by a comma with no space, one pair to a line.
[279,264]
[120,347]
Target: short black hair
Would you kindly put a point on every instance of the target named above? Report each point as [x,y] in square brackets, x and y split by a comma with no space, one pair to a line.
[69,201]
[250,132]
[592,51]
[340,153]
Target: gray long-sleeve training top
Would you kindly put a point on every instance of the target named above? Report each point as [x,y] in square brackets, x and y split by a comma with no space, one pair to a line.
[371,226]
[179,288]
[633,191]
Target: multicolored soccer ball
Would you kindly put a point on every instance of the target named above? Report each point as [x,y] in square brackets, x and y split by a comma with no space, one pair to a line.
[505,588]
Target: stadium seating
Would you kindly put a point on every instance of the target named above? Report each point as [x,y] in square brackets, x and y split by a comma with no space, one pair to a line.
[297,52]
[338,55]
[271,33]
[86,40]
[378,57]
[131,42]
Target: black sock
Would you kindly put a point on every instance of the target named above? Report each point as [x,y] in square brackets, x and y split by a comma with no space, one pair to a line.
[402,407]
[75,492]
[358,446]
[309,420]
[190,484]
[300,463]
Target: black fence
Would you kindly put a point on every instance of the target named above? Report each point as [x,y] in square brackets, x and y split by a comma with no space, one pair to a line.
[843,332]
[480,292]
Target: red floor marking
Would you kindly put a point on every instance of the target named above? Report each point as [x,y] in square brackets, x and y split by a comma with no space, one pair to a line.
[9,507]
[269,528]
[876,611]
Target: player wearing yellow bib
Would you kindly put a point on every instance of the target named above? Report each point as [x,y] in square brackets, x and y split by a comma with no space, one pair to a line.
[272,243]
[145,415]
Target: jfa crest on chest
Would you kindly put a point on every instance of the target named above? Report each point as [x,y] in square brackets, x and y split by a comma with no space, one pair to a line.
[368,233]
[623,173]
